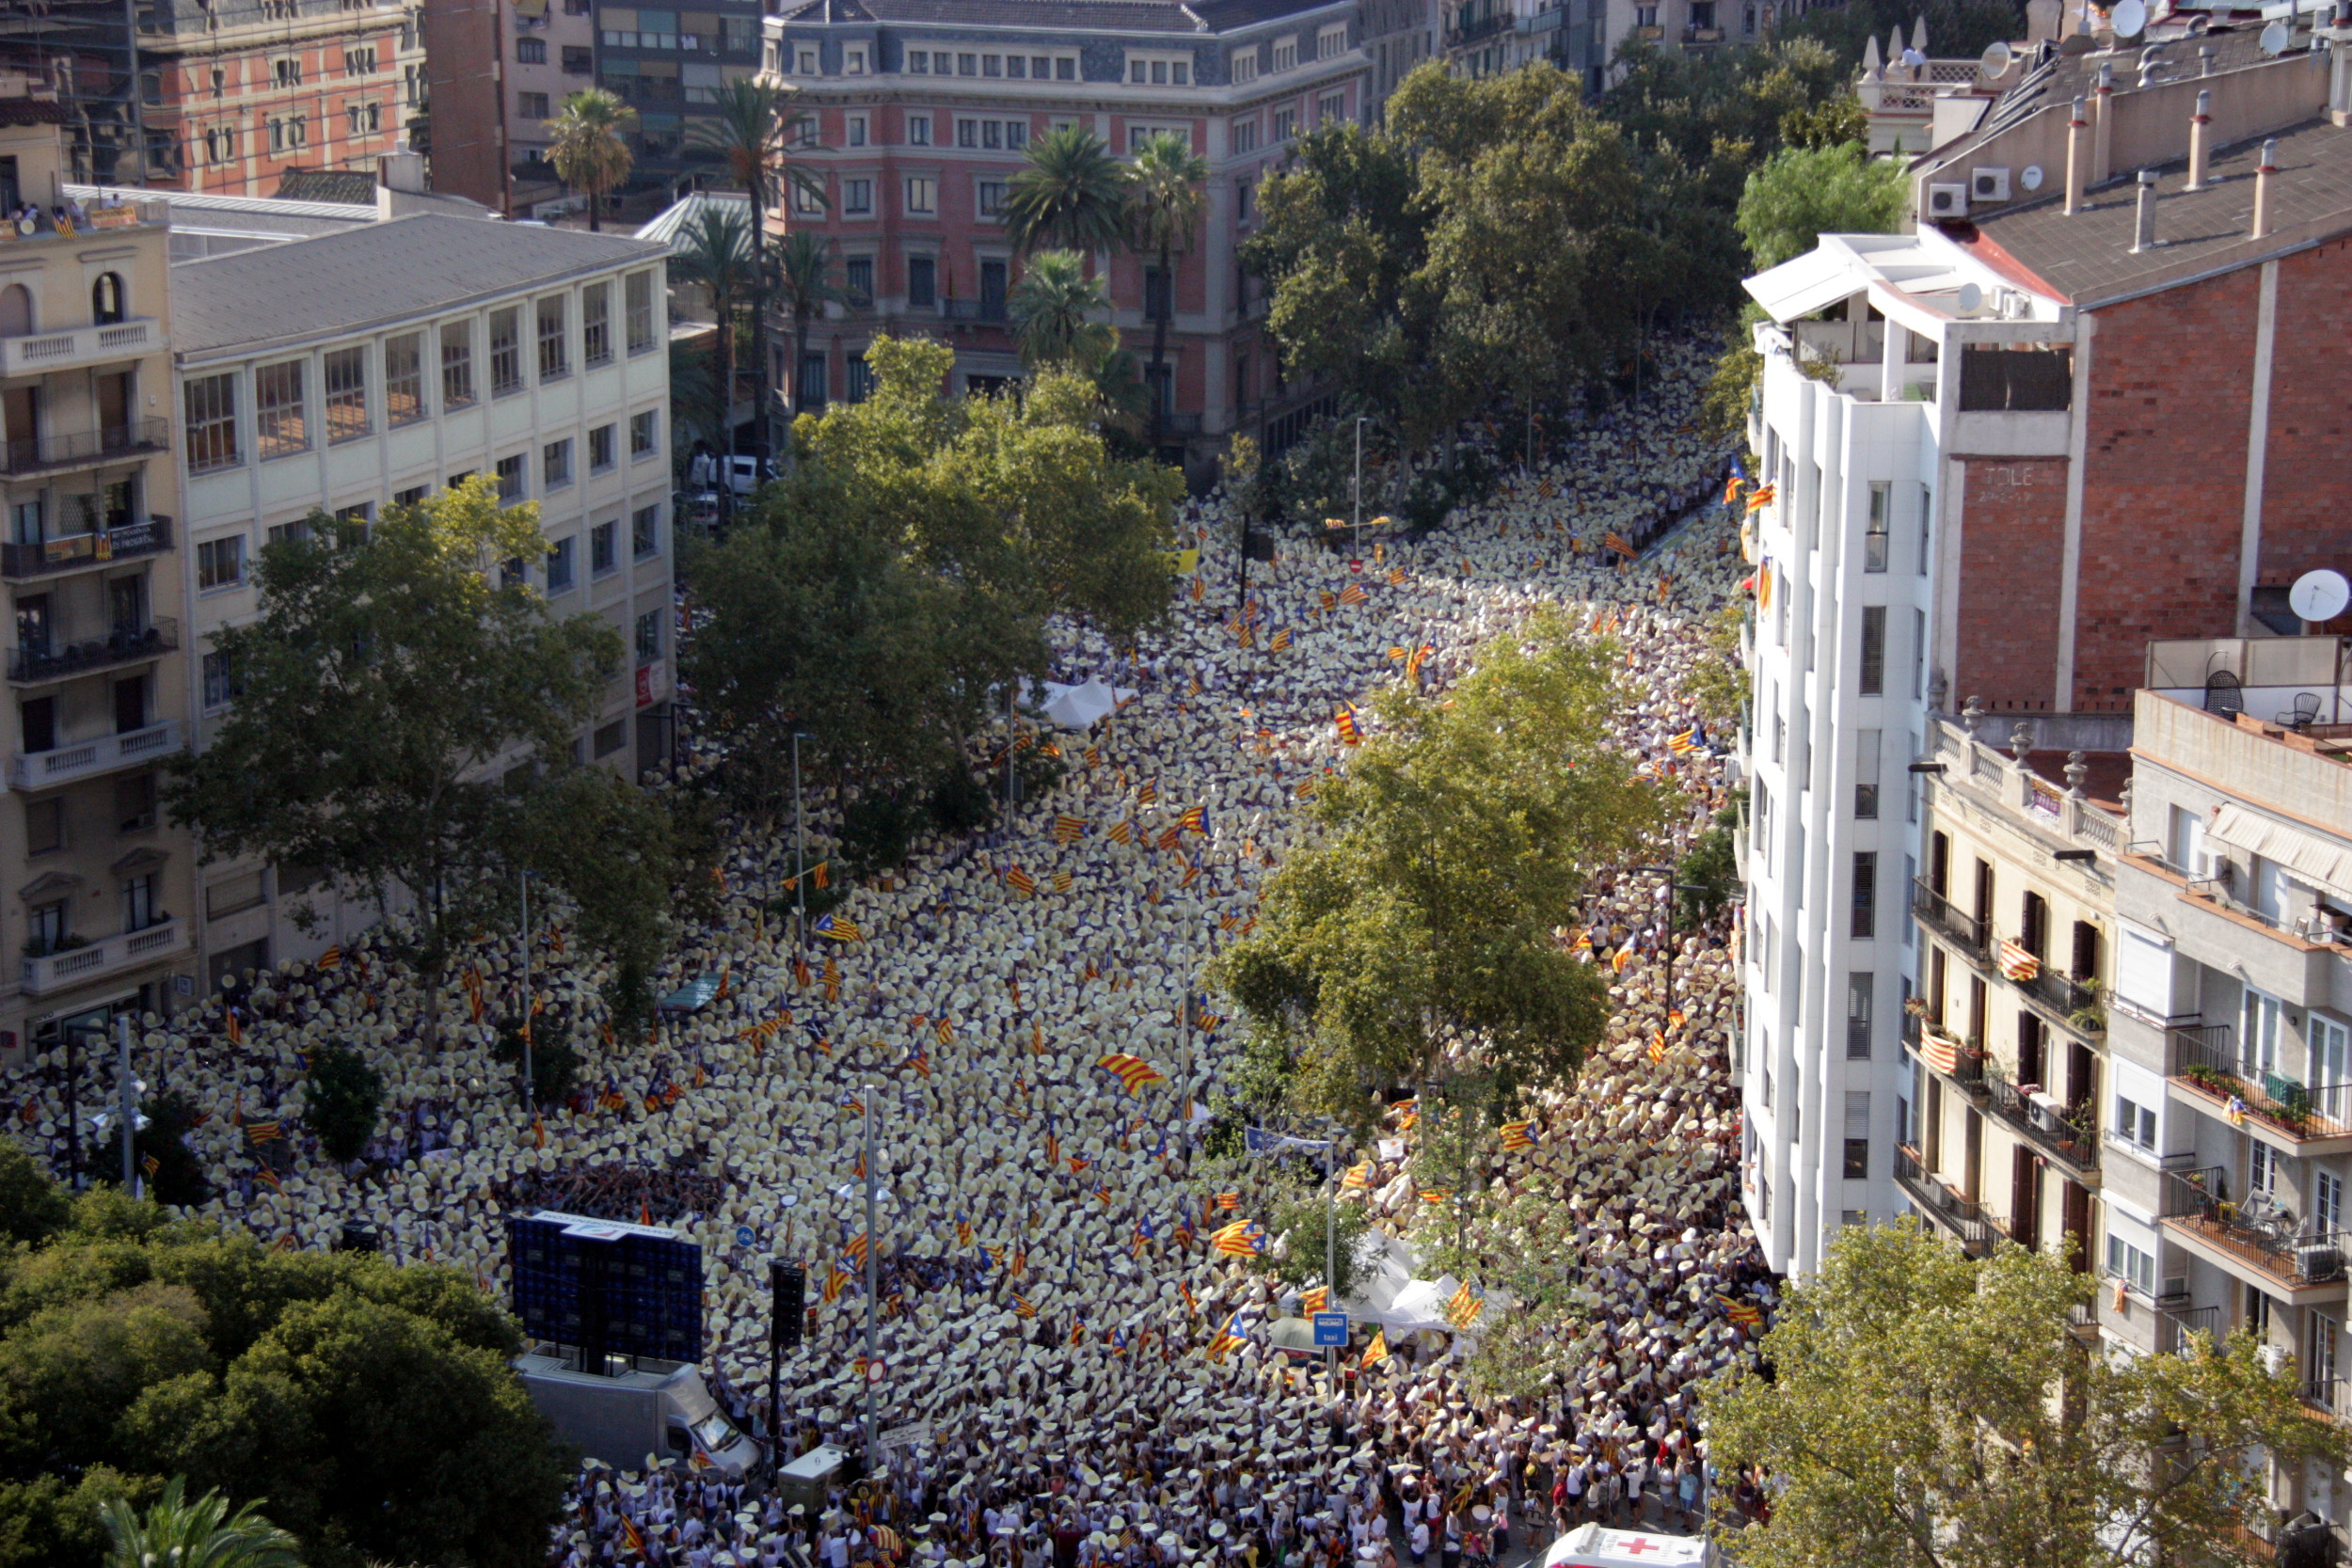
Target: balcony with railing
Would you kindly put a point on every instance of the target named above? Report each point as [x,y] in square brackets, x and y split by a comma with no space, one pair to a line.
[973,311]
[24,456]
[2208,1071]
[1474,32]
[47,557]
[2068,1135]
[41,664]
[1939,914]
[2186,1324]
[2257,1239]
[2328,1397]
[98,960]
[91,759]
[35,354]
[2074,1003]
[1960,1217]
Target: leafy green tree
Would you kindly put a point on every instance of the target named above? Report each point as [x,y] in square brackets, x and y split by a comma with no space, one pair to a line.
[1303,1225]
[1929,1411]
[1422,910]
[1055,310]
[902,573]
[177,1533]
[31,1207]
[342,1102]
[1829,123]
[1168,191]
[1069,194]
[178,1177]
[803,283]
[586,148]
[380,682]
[718,256]
[366,1407]
[1802,194]
[1709,874]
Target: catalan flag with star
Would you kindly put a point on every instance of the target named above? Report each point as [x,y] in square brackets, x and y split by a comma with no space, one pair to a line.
[1241,1239]
[1133,1072]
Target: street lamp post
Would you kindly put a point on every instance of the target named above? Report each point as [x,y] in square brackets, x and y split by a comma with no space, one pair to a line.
[873,1448]
[1357,487]
[531,1086]
[126,1094]
[799,848]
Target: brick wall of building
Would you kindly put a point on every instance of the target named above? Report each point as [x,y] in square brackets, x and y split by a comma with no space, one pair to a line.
[2013,512]
[243,117]
[2164,478]
[2307,521]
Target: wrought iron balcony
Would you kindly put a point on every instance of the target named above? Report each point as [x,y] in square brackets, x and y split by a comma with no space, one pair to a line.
[2068,1136]
[1942,917]
[1960,1217]
[37,666]
[149,536]
[82,449]
[2206,1061]
[2256,1231]
[2188,1322]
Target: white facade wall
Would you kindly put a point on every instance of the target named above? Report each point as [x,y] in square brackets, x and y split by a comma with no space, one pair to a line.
[243,902]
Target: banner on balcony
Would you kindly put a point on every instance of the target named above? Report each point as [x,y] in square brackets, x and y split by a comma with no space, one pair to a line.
[1940,1054]
[2017,963]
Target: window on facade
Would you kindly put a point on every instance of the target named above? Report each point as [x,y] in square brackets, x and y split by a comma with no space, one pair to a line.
[918,62]
[644,531]
[578,60]
[560,566]
[220,563]
[1331,42]
[44,826]
[531,105]
[2258,1037]
[853,130]
[345,373]
[861,379]
[596,323]
[211,404]
[510,472]
[280,422]
[922,282]
[1860,1001]
[531,51]
[506,350]
[403,379]
[857,197]
[642,434]
[610,737]
[918,130]
[2135,1124]
[806,200]
[1286,53]
[1874,650]
[2131,1265]
[922,196]
[1866,775]
[1244,67]
[555,360]
[1244,135]
[555,465]
[648,636]
[286,73]
[600,448]
[603,548]
[1874,529]
[457,366]
[637,297]
[1285,124]
[991,198]
[1865,923]
[1330,108]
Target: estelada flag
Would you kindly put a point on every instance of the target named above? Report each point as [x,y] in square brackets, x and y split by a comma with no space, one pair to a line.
[1378,1352]
[1357,1178]
[1133,1072]
[1612,542]
[1514,1135]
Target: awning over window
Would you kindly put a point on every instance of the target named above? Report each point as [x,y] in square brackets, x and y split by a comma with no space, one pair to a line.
[531,8]
[2311,858]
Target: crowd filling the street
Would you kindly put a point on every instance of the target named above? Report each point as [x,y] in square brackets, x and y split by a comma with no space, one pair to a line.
[1076,1325]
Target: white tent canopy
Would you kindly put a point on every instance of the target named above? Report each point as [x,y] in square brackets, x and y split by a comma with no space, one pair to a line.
[1078,707]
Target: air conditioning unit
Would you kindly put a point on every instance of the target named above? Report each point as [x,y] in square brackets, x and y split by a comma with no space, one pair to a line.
[1947,202]
[1989,184]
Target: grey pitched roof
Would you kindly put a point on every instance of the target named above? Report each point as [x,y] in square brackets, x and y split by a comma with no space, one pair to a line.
[2087,258]
[1118,16]
[383,273]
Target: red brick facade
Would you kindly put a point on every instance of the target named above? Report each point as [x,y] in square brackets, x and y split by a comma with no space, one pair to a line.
[2307,506]
[2012,511]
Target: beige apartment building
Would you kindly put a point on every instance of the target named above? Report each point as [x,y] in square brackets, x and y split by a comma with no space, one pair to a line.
[2014,915]
[97,888]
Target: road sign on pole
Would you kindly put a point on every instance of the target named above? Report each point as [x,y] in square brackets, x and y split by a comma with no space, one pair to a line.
[1331,1330]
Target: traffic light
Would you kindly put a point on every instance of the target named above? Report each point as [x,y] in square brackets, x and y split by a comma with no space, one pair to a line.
[787,1286]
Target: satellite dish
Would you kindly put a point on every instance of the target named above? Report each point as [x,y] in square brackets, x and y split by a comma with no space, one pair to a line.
[2030,177]
[1996,58]
[2130,18]
[2275,38]
[1971,299]
[2319,596]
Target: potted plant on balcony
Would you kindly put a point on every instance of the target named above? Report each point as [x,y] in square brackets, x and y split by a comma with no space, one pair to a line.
[2091,1018]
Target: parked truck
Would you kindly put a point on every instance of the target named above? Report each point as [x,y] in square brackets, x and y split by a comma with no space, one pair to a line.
[657,1408]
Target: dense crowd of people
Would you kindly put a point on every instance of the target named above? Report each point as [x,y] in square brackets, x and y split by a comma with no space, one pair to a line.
[1101,1382]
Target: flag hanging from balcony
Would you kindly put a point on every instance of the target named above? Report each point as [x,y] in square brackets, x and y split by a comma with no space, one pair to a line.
[1940,1054]
[2017,963]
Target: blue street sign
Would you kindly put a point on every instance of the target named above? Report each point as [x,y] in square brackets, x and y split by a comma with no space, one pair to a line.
[743,1235]
[1331,1330]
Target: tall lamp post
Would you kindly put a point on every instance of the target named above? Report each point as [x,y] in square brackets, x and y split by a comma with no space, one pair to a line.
[873,1445]
[531,1082]
[799,848]
[1357,539]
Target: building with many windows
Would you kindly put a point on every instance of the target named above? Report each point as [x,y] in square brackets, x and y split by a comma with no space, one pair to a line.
[918,116]
[99,887]
[2232,1138]
[425,349]
[2003,453]
[228,96]
[2014,912]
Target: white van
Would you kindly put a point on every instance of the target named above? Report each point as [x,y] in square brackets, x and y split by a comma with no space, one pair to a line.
[1591,1546]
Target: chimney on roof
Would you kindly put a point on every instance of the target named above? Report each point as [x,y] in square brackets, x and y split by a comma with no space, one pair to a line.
[2144,224]
[2103,125]
[2075,126]
[2263,171]
[2205,59]
[2197,139]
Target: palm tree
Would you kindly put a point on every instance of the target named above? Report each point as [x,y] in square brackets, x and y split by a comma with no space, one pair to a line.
[588,151]
[716,253]
[200,1534]
[751,127]
[1072,196]
[1052,310]
[804,282]
[1168,193]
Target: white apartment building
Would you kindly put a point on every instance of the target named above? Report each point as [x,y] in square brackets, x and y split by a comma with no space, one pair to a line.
[376,365]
